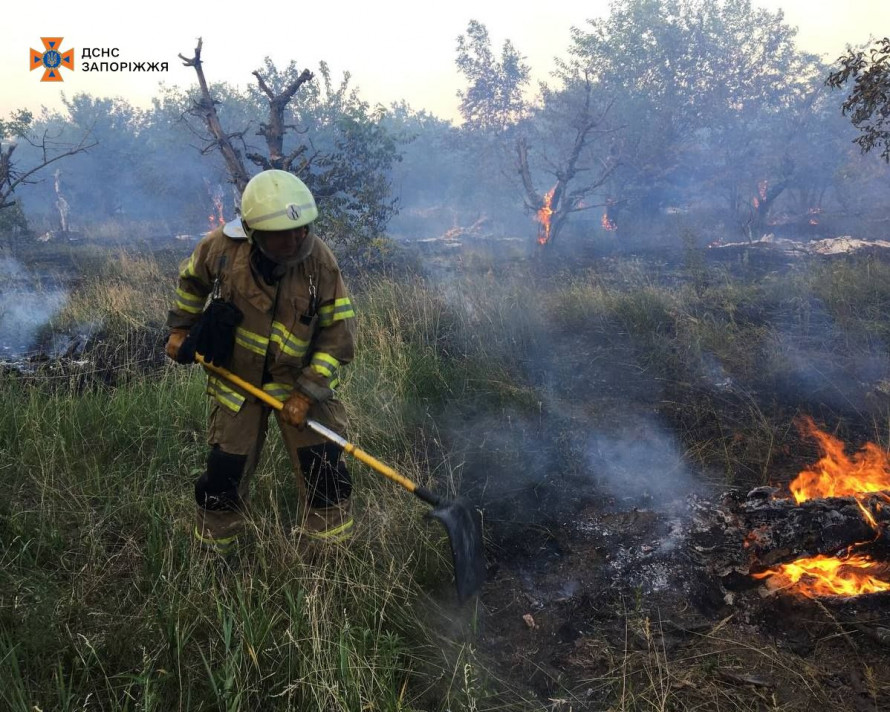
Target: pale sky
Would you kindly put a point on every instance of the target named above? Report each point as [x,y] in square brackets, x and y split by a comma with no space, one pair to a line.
[394,49]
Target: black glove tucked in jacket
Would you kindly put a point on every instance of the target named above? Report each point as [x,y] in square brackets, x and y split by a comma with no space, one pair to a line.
[213,335]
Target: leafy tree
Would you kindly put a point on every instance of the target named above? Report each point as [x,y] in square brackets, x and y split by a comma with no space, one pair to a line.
[493,108]
[13,227]
[106,183]
[493,101]
[429,170]
[346,154]
[654,102]
[437,181]
[143,179]
[694,81]
[187,188]
[868,103]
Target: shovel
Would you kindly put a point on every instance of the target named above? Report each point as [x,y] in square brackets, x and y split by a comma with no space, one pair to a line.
[462,523]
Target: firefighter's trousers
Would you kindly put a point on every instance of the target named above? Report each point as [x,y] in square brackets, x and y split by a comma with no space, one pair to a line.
[236,441]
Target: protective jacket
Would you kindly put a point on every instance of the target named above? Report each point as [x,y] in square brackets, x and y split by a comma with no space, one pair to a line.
[296,333]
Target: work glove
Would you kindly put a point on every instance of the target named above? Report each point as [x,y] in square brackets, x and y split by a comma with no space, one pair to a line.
[213,335]
[174,344]
[295,410]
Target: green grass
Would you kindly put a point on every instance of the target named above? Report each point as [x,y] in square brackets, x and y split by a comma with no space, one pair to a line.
[108,603]
[108,600]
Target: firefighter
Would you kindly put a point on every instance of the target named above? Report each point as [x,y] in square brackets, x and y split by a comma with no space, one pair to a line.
[279,316]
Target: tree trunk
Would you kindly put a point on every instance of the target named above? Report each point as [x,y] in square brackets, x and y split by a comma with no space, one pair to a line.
[764,204]
[206,108]
[274,130]
[564,199]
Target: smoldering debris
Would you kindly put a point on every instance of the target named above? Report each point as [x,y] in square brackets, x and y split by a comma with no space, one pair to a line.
[845,244]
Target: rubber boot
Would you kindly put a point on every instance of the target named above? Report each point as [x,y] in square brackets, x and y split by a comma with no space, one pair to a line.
[324,528]
[218,531]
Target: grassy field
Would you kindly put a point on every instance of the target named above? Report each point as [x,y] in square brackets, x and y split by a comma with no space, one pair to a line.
[106,602]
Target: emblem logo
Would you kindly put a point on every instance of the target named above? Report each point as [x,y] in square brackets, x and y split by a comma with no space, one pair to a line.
[292,212]
[52,59]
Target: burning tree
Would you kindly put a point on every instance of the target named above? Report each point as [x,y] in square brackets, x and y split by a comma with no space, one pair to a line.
[574,160]
[558,139]
[703,90]
[327,136]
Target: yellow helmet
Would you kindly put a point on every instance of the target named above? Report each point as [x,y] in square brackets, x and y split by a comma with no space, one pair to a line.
[276,200]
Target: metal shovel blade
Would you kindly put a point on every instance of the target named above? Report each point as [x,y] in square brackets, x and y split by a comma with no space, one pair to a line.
[464,527]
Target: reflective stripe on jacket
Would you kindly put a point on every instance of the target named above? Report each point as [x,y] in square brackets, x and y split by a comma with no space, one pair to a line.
[299,348]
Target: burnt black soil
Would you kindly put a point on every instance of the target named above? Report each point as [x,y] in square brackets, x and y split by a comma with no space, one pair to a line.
[597,597]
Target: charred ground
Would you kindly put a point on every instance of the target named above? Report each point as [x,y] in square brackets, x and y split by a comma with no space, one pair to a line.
[651,419]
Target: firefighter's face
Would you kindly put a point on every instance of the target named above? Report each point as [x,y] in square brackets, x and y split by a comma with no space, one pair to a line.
[281,245]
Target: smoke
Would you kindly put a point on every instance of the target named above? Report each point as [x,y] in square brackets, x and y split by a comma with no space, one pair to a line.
[25,306]
[713,372]
[640,465]
[822,364]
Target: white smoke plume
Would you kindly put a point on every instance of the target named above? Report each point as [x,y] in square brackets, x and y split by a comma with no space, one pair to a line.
[641,464]
[25,306]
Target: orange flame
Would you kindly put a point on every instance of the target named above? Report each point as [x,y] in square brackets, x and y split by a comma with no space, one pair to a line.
[761,193]
[606,221]
[837,475]
[216,218]
[829,576]
[543,216]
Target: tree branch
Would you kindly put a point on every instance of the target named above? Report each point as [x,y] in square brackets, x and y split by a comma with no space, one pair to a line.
[533,200]
[6,169]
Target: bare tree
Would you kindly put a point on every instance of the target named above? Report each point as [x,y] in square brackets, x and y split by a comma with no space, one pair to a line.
[350,169]
[49,147]
[205,107]
[560,133]
[273,130]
